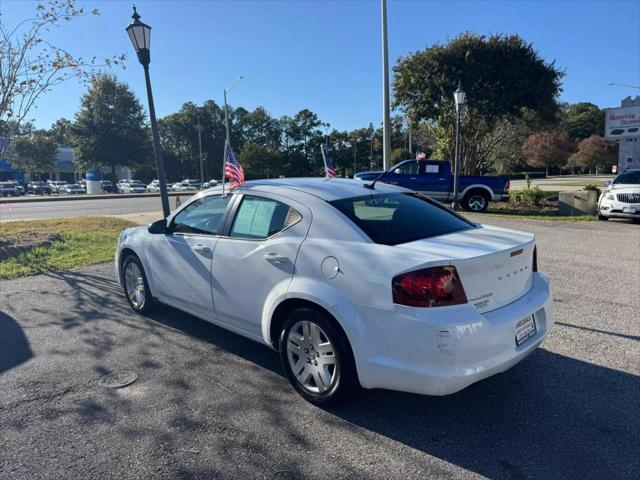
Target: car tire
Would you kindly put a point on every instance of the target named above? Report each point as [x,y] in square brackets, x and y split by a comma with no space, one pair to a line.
[476,201]
[313,344]
[603,218]
[135,285]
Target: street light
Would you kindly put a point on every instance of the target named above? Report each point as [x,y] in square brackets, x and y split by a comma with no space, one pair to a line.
[459,98]
[355,156]
[226,123]
[624,85]
[140,35]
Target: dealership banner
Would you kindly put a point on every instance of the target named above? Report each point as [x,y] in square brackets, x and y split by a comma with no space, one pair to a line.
[622,122]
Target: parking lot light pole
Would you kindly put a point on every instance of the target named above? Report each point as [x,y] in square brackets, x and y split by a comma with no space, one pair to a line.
[459,97]
[226,124]
[140,35]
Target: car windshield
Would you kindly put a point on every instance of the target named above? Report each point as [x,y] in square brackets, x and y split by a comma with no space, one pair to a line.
[632,177]
[392,219]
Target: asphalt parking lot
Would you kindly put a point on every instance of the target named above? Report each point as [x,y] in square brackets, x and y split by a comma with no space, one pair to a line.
[209,404]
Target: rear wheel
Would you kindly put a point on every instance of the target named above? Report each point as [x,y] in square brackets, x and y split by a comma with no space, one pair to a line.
[317,358]
[476,201]
[136,287]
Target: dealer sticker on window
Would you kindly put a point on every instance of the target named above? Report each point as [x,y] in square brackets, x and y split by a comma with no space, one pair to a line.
[525,329]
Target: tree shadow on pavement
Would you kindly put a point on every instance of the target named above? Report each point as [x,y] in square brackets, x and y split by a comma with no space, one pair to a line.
[551,416]
[14,346]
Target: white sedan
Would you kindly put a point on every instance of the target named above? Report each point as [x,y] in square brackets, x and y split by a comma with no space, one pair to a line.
[353,286]
[621,199]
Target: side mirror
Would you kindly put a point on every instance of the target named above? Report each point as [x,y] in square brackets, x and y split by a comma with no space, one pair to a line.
[159,226]
[397,171]
[607,183]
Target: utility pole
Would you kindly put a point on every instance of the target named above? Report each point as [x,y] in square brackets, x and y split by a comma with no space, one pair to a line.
[386,129]
[199,127]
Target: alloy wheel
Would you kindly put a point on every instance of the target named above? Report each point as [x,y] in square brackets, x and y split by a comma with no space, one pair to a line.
[134,284]
[477,203]
[311,357]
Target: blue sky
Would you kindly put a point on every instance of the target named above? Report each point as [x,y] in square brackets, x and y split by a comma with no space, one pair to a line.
[326,55]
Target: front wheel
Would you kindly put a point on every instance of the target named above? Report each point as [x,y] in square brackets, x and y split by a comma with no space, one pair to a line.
[136,287]
[317,358]
[477,201]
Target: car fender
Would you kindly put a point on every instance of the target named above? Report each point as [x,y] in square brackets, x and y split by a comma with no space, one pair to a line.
[320,293]
[477,186]
[131,239]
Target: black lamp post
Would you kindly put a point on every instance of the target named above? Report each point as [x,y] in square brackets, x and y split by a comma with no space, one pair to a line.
[140,35]
[459,97]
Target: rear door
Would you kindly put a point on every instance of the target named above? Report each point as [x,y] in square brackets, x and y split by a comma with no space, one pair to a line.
[256,256]
[434,180]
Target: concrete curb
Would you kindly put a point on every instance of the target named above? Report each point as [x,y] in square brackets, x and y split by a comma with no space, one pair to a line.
[107,196]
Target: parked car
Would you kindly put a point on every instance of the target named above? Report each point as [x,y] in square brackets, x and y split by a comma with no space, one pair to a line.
[131,186]
[56,185]
[18,186]
[154,186]
[379,288]
[38,188]
[210,183]
[107,186]
[186,186]
[8,189]
[434,178]
[621,199]
[73,188]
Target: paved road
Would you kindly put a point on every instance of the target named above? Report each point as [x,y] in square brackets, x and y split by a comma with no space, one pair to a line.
[556,183]
[75,208]
[122,206]
[209,404]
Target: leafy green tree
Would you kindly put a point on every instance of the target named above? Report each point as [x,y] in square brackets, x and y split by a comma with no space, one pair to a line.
[260,162]
[583,119]
[109,130]
[502,76]
[547,149]
[61,132]
[35,154]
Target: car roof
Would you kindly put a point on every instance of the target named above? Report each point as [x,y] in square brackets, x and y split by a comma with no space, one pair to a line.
[328,189]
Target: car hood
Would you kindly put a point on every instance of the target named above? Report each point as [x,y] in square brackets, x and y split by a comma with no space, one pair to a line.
[625,188]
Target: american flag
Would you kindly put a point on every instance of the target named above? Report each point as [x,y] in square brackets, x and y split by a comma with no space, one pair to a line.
[329,171]
[421,156]
[232,168]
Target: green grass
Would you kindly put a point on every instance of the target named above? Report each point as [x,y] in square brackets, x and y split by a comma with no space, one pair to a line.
[598,183]
[76,242]
[536,216]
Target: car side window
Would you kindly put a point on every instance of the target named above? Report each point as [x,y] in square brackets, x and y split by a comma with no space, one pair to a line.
[431,169]
[409,168]
[260,218]
[203,216]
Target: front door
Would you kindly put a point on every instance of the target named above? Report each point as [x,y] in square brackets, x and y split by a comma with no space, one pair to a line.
[256,257]
[181,259]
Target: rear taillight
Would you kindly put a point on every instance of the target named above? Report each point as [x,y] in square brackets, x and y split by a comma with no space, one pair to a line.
[507,185]
[535,259]
[429,287]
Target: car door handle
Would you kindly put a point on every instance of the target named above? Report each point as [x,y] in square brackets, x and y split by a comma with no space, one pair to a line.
[203,249]
[275,258]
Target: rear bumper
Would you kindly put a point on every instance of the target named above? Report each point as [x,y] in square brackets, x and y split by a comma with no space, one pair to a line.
[442,351]
[500,197]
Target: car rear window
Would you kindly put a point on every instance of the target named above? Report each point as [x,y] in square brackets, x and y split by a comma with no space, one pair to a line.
[392,219]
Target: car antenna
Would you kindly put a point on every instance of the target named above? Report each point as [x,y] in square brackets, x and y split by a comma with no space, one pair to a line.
[372,185]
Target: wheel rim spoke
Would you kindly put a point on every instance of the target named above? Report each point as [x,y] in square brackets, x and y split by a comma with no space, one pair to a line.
[311,357]
[134,284]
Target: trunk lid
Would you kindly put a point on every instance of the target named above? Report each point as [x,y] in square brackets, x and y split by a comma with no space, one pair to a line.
[494,264]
